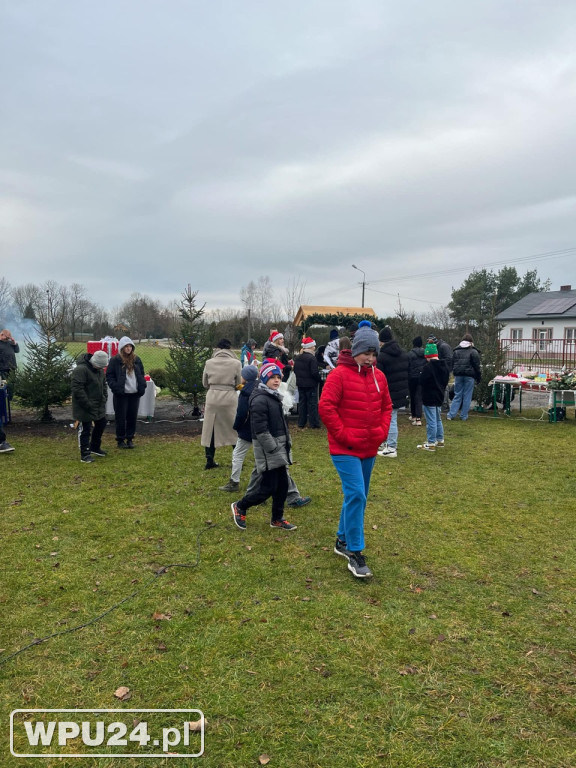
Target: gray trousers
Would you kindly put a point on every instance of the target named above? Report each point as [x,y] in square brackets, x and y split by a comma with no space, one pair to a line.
[255,480]
[238,455]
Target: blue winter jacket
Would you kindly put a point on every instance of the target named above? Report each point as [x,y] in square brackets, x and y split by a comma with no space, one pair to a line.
[242,420]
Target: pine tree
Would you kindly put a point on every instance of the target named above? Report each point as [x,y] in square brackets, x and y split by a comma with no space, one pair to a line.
[188,353]
[44,380]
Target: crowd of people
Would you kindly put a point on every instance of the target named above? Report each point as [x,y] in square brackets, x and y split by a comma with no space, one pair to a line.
[355,385]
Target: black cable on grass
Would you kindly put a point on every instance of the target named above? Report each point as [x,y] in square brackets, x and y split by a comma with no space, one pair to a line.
[154,576]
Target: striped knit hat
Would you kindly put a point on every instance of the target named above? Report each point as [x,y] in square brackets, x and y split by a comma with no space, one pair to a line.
[267,370]
[308,342]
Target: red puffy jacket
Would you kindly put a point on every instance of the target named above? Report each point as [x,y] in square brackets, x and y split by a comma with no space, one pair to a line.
[356,407]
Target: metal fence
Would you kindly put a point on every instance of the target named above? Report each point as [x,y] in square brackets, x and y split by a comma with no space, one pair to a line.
[539,353]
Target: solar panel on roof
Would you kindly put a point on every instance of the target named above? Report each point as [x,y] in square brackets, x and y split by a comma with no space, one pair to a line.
[553,306]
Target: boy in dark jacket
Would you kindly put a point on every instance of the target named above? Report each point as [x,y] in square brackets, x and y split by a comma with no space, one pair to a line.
[433,380]
[416,362]
[271,440]
[89,395]
[241,424]
[393,362]
[307,380]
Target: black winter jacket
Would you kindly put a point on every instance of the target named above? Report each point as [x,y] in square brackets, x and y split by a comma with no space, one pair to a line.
[467,363]
[306,370]
[116,376]
[393,362]
[270,433]
[89,391]
[242,420]
[445,353]
[433,381]
[416,362]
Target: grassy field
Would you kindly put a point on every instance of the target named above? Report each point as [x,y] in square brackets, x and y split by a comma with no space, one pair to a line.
[459,653]
[152,356]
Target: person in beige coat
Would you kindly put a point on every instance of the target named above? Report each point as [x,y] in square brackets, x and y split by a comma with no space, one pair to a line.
[221,377]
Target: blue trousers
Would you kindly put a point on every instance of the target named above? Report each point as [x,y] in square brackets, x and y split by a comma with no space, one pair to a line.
[392,439]
[463,390]
[355,477]
[434,428]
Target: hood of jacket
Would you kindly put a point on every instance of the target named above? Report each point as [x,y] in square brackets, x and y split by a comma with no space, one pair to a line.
[391,348]
[224,353]
[84,359]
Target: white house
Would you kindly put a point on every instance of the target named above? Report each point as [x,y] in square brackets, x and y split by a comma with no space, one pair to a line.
[541,326]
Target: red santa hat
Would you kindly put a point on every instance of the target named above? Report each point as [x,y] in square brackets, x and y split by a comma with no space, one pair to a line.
[308,342]
[276,336]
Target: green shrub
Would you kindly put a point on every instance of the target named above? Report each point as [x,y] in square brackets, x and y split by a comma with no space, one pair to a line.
[158,376]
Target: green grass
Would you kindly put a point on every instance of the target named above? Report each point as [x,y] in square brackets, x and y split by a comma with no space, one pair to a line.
[152,356]
[459,653]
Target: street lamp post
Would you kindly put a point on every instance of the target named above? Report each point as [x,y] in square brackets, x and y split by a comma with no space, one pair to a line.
[363,281]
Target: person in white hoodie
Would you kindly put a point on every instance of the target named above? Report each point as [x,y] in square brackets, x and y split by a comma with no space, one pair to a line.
[332,349]
[467,372]
[125,377]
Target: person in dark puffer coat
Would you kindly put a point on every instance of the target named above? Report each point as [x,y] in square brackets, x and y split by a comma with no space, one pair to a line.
[307,380]
[467,372]
[272,450]
[393,362]
[356,407]
[416,362]
[125,377]
[89,395]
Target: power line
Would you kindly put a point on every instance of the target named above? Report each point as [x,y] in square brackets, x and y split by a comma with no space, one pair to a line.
[454,270]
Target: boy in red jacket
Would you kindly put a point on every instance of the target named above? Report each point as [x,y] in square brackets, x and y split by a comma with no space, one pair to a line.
[356,408]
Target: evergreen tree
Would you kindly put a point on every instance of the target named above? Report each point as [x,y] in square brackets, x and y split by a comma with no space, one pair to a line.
[188,353]
[44,380]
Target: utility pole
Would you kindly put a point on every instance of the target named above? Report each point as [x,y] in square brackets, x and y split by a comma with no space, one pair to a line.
[363,281]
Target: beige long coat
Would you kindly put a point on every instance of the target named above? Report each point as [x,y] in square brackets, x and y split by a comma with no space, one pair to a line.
[221,377]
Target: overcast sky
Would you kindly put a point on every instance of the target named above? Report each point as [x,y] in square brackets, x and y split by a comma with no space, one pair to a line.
[147,144]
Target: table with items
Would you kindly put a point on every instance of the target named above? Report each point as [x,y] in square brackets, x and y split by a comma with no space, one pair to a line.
[507,387]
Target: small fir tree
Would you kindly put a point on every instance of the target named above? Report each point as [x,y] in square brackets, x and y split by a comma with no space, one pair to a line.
[44,380]
[188,353]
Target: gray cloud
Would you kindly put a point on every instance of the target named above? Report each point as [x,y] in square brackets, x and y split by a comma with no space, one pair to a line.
[212,143]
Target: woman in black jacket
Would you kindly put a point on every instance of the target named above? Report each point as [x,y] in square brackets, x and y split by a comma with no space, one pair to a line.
[125,377]
[307,380]
[393,362]
[467,372]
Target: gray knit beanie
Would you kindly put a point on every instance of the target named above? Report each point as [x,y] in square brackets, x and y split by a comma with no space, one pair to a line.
[365,339]
[249,373]
[99,359]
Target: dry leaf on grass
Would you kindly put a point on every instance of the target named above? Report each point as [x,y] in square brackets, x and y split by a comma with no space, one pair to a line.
[196,725]
[161,616]
[264,759]
[122,693]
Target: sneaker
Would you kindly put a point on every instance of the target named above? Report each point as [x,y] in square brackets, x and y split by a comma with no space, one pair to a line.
[5,447]
[211,465]
[129,444]
[230,486]
[388,452]
[122,444]
[357,564]
[98,452]
[284,524]
[417,423]
[86,459]
[440,443]
[239,518]
[340,549]
[427,446]
[449,418]
[300,502]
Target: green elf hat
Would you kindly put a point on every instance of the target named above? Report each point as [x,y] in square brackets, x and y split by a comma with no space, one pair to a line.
[431,350]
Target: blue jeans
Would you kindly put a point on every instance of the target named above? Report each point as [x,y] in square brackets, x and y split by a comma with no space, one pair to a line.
[463,389]
[355,477]
[434,428]
[392,439]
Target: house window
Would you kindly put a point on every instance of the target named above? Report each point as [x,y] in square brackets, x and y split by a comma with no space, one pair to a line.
[516,334]
[570,335]
[542,337]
